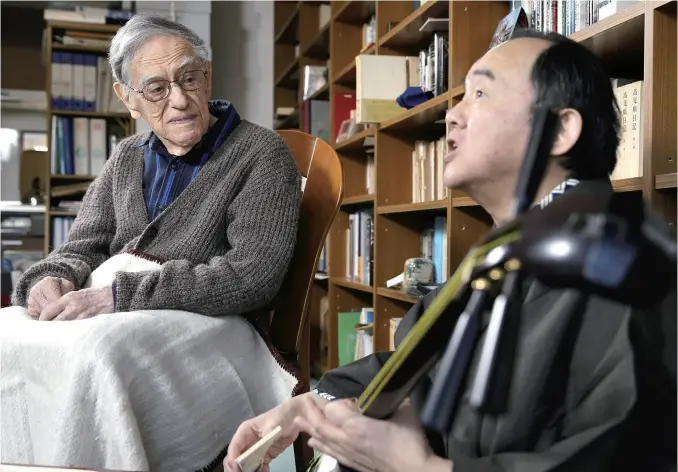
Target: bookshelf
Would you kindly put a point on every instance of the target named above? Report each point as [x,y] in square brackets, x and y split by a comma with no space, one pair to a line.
[63,112]
[636,43]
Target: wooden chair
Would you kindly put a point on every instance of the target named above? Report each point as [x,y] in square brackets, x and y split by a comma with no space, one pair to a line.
[322,196]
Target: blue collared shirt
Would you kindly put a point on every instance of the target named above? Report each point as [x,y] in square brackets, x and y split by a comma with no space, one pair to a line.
[166,176]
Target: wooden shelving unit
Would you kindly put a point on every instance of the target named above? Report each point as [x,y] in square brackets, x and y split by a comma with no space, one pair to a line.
[123,119]
[638,42]
[666,181]
[88,114]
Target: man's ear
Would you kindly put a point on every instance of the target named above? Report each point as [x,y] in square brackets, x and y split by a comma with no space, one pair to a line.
[208,78]
[569,130]
[124,96]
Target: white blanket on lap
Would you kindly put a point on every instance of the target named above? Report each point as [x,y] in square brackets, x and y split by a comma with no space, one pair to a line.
[146,390]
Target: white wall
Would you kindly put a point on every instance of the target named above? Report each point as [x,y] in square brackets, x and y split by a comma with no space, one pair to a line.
[242,57]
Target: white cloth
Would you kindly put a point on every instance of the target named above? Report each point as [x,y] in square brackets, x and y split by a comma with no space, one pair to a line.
[146,390]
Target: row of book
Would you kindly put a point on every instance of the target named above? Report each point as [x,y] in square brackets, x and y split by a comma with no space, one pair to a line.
[360,247]
[314,78]
[370,171]
[369,33]
[433,69]
[316,120]
[61,225]
[355,334]
[430,266]
[381,79]
[434,248]
[629,96]
[81,146]
[568,16]
[83,82]
[78,145]
[322,267]
[317,115]
[428,169]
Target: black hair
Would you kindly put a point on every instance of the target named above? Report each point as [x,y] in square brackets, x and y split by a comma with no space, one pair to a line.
[567,75]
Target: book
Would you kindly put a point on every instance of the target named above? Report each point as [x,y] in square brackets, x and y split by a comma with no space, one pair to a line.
[515,20]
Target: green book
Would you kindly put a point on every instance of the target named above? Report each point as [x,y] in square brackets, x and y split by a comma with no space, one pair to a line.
[347,335]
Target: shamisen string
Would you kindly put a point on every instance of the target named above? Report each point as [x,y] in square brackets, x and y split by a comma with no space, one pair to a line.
[447,294]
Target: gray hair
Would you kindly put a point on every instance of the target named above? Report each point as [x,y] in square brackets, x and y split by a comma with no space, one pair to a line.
[129,39]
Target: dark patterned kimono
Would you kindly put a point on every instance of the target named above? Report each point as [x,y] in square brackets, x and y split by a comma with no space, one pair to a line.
[597,398]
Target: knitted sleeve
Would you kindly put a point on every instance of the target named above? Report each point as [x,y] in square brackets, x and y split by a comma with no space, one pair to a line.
[261,235]
[87,244]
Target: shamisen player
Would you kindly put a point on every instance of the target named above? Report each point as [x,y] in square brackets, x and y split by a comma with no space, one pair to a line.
[609,406]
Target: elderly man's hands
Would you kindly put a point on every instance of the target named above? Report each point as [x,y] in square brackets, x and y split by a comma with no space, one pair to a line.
[368,445]
[45,292]
[79,305]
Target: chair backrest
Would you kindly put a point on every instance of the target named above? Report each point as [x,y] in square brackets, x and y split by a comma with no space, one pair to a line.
[321,199]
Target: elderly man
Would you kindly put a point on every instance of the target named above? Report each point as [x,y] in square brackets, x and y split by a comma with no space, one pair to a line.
[597,398]
[212,195]
[180,245]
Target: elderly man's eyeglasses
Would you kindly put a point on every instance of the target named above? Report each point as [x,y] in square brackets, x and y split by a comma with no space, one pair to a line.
[160,89]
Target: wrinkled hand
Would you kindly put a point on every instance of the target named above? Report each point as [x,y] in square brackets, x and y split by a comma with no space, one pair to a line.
[79,305]
[283,415]
[369,445]
[46,291]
